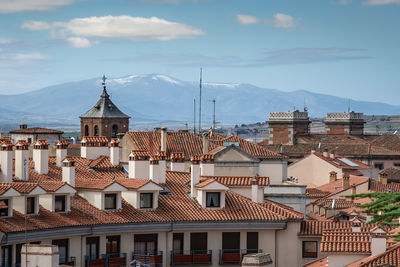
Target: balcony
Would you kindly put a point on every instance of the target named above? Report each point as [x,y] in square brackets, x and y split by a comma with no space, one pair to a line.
[234,256]
[191,257]
[106,260]
[93,262]
[70,261]
[151,258]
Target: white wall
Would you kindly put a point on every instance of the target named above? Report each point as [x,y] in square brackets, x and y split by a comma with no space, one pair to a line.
[276,170]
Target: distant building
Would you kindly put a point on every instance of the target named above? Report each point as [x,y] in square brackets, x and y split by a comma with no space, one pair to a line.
[104,118]
[31,135]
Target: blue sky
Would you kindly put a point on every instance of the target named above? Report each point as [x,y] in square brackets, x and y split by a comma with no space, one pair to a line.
[347,48]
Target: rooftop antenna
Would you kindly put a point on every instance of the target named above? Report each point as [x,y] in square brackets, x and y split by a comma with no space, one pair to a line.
[348,108]
[194,115]
[214,122]
[26,216]
[201,73]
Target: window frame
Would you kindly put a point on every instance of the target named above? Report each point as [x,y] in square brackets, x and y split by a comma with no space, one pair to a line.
[62,243]
[109,240]
[7,202]
[32,204]
[64,205]
[151,200]
[312,255]
[115,204]
[218,205]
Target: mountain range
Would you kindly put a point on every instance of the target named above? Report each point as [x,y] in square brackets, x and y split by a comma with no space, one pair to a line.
[159,99]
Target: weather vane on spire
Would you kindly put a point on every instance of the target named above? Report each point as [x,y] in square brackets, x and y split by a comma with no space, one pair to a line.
[104,80]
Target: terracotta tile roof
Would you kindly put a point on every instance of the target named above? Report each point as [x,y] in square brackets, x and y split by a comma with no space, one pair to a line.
[341,164]
[238,180]
[350,242]
[251,148]
[51,186]
[390,256]
[392,173]
[337,186]
[213,136]
[104,163]
[4,187]
[133,183]
[22,187]
[36,130]
[187,143]
[339,203]
[177,156]
[315,228]
[282,209]
[389,141]
[324,262]
[376,186]
[204,183]
[88,140]
[215,150]
[315,193]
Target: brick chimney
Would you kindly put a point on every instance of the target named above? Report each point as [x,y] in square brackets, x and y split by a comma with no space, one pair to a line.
[68,171]
[21,160]
[163,139]
[194,175]
[94,147]
[207,165]
[177,162]
[154,169]
[6,162]
[332,176]
[345,123]
[61,152]
[383,177]
[346,181]
[139,164]
[41,156]
[114,152]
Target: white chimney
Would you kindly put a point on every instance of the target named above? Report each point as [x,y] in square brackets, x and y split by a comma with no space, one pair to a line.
[94,147]
[21,160]
[41,156]
[378,241]
[325,153]
[254,189]
[164,139]
[177,162]
[162,163]
[207,165]
[6,162]
[205,144]
[332,154]
[139,164]
[154,170]
[194,175]
[355,225]
[68,171]
[114,152]
[61,152]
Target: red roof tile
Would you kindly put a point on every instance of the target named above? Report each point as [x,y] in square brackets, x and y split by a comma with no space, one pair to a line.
[36,130]
[390,256]
[318,263]
[238,180]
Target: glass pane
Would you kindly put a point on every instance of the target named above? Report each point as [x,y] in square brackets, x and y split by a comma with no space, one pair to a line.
[110,201]
[212,199]
[146,200]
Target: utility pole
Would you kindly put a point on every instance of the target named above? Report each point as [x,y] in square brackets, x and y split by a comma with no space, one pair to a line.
[201,73]
[194,115]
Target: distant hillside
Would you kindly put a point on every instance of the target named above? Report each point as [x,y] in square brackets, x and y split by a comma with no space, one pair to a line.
[160,99]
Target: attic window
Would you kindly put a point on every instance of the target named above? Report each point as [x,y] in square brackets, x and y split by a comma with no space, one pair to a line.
[110,201]
[146,200]
[4,208]
[30,205]
[60,203]
[213,199]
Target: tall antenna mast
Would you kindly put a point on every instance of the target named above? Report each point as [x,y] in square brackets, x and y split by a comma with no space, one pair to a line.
[26,216]
[201,73]
[214,122]
[194,115]
[348,109]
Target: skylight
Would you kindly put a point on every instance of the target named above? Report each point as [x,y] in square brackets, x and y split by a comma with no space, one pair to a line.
[348,162]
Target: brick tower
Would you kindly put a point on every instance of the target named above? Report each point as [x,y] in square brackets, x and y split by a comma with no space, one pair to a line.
[345,123]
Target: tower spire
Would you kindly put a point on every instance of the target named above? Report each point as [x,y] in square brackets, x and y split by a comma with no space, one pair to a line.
[104,94]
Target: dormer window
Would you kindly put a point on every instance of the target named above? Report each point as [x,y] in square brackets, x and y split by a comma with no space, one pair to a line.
[30,205]
[146,200]
[4,207]
[110,201]
[60,204]
[213,199]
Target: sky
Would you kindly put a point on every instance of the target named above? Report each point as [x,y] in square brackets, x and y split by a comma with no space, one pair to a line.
[347,48]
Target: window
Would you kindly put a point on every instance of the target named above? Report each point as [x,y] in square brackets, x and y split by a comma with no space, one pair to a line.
[62,249]
[213,199]
[310,249]
[231,241]
[145,243]
[110,201]
[86,130]
[113,245]
[177,242]
[146,200]
[29,140]
[114,131]
[396,164]
[379,166]
[4,208]
[59,203]
[92,247]
[30,205]
[6,256]
[198,243]
[96,130]
[252,242]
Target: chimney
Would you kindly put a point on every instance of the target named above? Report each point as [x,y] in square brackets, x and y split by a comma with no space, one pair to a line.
[68,171]
[353,190]
[41,156]
[207,165]
[6,161]
[325,153]
[332,176]
[382,177]
[313,150]
[61,152]
[162,163]
[177,162]
[194,175]
[254,189]
[139,164]
[205,144]
[21,160]
[332,154]
[114,152]
[164,139]
[355,225]
[93,147]
[346,181]
[154,169]
[378,241]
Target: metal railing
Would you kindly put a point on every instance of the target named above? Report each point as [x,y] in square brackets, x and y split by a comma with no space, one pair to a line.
[114,259]
[234,256]
[148,258]
[191,257]
[69,261]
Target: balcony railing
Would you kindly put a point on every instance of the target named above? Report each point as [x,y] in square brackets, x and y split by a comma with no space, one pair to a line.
[69,261]
[234,256]
[148,258]
[94,262]
[191,257]
[115,259]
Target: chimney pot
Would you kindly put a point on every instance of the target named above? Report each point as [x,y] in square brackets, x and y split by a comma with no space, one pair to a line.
[383,178]
[325,153]
[332,176]
[346,181]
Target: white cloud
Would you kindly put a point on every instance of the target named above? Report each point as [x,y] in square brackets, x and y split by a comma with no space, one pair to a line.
[79,42]
[5,41]
[381,2]
[284,21]
[246,19]
[20,59]
[13,6]
[36,25]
